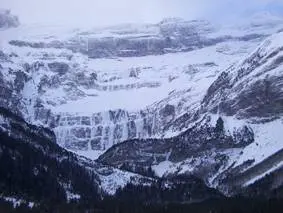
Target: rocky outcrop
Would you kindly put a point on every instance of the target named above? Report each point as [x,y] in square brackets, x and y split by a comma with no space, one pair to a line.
[251,88]
[9,92]
[59,68]
[102,130]
[199,151]
[8,20]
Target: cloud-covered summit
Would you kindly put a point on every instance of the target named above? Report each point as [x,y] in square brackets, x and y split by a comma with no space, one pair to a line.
[109,12]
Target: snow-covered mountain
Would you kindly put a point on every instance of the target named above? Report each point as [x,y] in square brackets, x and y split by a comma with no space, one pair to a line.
[235,134]
[171,81]
[94,99]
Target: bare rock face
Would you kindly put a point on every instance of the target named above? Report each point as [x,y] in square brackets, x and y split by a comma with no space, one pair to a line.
[252,88]
[5,92]
[167,113]
[60,68]
[9,91]
[102,130]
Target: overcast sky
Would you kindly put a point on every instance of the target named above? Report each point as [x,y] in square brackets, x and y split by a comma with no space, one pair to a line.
[110,12]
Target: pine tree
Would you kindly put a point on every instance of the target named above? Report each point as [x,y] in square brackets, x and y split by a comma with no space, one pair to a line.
[219,128]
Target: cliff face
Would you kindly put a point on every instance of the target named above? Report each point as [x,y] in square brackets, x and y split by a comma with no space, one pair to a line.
[253,87]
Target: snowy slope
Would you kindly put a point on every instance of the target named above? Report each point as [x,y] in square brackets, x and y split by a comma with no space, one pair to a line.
[247,143]
[250,93]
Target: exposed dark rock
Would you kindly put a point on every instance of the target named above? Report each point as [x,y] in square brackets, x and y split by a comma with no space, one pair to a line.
[20,80]
[58,67]
[96,144]
[203,144]
[168,110]
[132,130]
[256,91]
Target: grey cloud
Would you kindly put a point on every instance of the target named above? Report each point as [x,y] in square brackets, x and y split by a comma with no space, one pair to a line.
[109,12]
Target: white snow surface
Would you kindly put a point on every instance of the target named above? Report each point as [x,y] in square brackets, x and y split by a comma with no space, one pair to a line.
[90,154]
[71,196]
[164,167]
[118,179]
[268,140]
[152,69]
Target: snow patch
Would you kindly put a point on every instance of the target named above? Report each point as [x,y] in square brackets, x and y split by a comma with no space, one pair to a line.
[268,140]
[90,154]
[17,202]
[164,167]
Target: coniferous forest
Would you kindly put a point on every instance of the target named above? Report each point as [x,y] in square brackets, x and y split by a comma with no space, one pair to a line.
[34,168]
